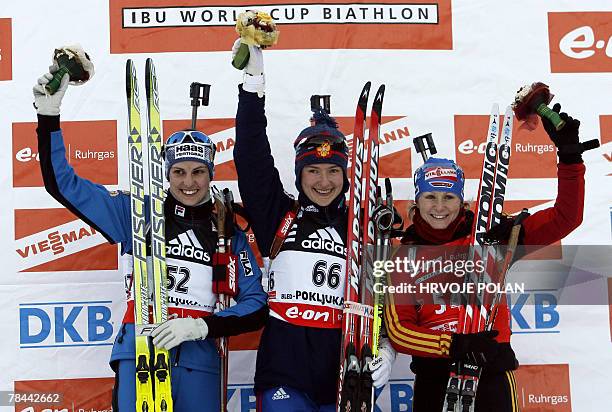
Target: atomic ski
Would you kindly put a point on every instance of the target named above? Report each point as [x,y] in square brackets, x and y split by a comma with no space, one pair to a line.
[474,316]
[348,379]
[368,241]
[355,388]
[161,363]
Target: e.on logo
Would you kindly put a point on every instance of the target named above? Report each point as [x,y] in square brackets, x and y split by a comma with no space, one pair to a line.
[6,52]
[84,394]
[152,26]
[580,42]
[543,388]
[533,154]
[51,240]
[91,149]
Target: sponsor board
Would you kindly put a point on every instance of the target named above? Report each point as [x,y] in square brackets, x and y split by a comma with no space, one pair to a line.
[395,142]
[77,395]
[91,149]
[52,240]
[534,312]
[152,26]
[580,42]
[6,50]
[544,388]
[65,324]
[529,149]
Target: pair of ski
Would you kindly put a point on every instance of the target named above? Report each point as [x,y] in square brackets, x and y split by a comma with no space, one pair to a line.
[355,388]
[476,314]
[150,373]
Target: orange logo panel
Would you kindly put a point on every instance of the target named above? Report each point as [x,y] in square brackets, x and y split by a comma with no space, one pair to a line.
[533,153]
[155,26]
[543,388]
[52,240]
[6,50]
[580,42]
[85,394]
[91,149]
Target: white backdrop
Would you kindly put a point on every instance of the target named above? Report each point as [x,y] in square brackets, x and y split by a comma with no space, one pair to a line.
[62,311]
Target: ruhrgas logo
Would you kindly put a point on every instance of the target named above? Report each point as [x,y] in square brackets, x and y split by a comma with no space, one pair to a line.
[580,42]
[84,394]
[91,149]
[6,52]
[151,26]
[51,240]
[544,388]
[528,149]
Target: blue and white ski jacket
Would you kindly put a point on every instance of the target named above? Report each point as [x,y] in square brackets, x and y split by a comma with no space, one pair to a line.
[190,243]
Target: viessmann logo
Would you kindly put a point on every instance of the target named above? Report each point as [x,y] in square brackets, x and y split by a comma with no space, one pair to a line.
[6,50]
[580,42]
[192,25]
[49,240]
[91,149]
[395,142]
[529,149]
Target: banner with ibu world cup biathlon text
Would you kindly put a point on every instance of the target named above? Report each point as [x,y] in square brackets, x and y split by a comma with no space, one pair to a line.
[444,65]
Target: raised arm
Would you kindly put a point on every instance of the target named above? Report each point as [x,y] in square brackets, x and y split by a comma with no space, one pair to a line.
[108,212]
[259,182]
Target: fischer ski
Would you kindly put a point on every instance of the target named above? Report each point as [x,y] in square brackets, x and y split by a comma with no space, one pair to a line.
[161,363]
[153,387]
[144,380]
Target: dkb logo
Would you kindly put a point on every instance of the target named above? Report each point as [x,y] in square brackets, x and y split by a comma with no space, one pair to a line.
[534,313]
[57,324]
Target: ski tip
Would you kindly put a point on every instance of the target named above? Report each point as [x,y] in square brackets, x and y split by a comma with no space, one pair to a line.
[363,97]
[495,108]
[378,99]
[129,74]
[150,78]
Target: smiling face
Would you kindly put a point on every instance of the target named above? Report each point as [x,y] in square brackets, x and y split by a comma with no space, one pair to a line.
[439,209]
[322,182]
[189,182]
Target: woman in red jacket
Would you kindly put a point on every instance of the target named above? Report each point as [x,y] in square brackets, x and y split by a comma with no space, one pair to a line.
[427,331]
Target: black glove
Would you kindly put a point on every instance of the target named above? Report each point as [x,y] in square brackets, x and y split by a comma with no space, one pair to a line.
[478,348]
[566,139]
[500,233]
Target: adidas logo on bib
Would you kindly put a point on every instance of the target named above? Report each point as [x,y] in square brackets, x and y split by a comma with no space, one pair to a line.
[280,394]
[325,239]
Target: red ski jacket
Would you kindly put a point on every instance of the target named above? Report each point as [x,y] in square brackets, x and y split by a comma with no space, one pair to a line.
[426,330]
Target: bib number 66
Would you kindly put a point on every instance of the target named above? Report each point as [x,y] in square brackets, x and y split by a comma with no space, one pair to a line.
[321,274]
